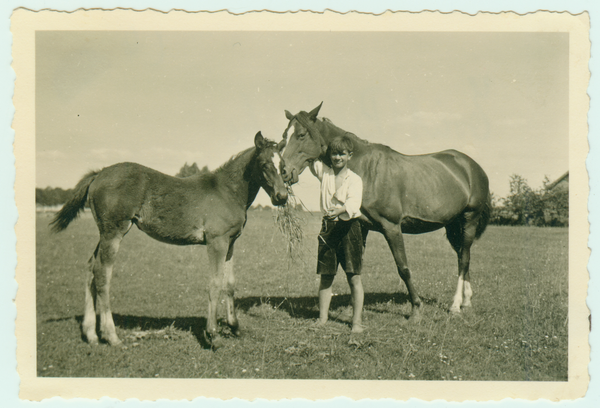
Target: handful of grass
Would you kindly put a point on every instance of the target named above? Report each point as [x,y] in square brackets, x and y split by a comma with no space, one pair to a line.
[290,223]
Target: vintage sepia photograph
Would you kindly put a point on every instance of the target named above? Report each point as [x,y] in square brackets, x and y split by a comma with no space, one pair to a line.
[369,199]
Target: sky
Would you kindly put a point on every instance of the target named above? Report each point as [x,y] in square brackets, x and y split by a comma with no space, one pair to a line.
[162,99]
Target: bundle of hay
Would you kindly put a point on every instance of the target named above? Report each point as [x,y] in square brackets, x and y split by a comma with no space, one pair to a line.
[288,220]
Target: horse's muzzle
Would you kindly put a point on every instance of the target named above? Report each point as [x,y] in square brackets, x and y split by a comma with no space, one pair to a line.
[290,177]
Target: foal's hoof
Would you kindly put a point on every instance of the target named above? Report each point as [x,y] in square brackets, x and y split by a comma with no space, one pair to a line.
[416,314]
[236,331]
[216,343]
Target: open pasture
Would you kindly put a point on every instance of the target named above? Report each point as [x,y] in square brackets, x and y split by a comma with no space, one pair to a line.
[516,330]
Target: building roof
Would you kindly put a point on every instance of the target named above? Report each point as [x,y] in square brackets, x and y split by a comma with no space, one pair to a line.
[558,180]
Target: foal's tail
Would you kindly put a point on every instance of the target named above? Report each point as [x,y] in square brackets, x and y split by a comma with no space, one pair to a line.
[484,219]
[71,209]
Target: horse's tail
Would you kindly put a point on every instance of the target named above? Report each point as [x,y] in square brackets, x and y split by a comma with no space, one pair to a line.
[71,209]
[484,219]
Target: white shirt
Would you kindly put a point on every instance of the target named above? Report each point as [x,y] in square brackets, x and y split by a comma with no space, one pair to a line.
[349,194]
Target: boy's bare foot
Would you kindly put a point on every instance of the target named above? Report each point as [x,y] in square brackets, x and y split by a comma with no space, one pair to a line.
[319,324]
[358,328]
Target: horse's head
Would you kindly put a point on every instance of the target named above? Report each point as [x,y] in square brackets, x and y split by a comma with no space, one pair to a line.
[267,168]
[303,143]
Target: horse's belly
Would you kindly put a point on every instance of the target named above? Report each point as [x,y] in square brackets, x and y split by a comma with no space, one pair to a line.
[411,225]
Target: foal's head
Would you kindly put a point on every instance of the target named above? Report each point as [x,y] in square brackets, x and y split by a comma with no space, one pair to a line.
[267,168]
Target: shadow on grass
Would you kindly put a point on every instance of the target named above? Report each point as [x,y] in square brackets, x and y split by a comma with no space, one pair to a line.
[195,325]
[306,307]
[303,307]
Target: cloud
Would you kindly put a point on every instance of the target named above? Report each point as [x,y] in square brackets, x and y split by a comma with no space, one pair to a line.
[429,118]
[509,122]
[104,153]
[51,154]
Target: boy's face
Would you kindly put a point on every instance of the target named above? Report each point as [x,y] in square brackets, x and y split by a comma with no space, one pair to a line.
[339,160]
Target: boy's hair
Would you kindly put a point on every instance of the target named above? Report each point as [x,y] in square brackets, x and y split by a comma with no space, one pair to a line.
[341,143]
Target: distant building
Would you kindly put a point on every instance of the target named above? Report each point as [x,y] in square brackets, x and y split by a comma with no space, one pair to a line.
[556,199]
[560,184]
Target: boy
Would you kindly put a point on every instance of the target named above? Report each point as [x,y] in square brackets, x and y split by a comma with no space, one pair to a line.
[340,239]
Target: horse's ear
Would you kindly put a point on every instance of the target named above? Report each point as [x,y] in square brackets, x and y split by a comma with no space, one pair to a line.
[281,145]
[313,113]
[259,141]
[289,115]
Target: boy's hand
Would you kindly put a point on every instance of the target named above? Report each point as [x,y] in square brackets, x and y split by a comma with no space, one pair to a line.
[334,213]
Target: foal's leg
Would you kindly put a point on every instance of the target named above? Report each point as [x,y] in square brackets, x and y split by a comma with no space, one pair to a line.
[393,236]
[102,267]
[217,250]
[89,316]
[229,283]
[461,238]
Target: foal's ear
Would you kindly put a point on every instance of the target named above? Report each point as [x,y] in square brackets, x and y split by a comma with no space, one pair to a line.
[259,141]
[313,113]
[289,115]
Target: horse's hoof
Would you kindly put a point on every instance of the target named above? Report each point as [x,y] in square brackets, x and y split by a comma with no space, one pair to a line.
[93,341]
[454,310]
[236,331]
[114,341]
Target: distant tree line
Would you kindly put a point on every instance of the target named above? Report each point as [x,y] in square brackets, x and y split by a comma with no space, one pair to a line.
[523,206]
[52,196]
[526,206]
[189,170]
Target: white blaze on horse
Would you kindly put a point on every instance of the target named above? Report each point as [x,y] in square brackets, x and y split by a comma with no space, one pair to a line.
[403,194]
[204,209]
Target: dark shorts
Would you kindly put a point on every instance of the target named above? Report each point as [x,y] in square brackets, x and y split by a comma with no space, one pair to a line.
[340,242]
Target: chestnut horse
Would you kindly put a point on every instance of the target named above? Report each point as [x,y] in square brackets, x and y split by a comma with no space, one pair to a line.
[402,194]
[204,209]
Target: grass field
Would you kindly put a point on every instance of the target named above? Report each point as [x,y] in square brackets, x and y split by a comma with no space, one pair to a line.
[516,329]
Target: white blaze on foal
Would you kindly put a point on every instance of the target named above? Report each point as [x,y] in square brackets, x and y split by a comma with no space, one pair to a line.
[277,162]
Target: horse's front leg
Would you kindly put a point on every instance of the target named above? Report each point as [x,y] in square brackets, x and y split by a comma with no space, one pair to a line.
[393,236]
[217,250]
[232,319]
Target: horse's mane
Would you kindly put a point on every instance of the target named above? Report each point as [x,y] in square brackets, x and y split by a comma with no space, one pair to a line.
[327,120]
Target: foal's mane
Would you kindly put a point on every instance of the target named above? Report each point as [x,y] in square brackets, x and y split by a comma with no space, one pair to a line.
[234,164]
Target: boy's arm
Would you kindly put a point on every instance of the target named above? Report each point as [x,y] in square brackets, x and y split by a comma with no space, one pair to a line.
[353,201]
[316,168]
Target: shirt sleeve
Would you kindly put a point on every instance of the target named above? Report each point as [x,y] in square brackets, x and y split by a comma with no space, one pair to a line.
[354,199]
[316,168]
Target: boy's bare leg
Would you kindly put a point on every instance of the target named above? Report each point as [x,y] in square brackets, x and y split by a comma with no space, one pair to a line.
[358,298]
[325,292]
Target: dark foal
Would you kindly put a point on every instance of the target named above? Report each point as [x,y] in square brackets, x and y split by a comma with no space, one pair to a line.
[204,209]
[403,194]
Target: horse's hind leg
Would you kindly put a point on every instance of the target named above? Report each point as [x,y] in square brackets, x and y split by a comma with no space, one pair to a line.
[461,235]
